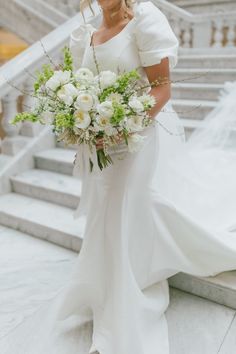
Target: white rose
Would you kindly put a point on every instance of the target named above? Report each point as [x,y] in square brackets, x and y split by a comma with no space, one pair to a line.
[136,105]
[135,123]
[84,74]
[52,84]
[82,119]
[107,78]
[105,109]
[103,122]
[67,93]
[85,101]
[59,78]
[135,142]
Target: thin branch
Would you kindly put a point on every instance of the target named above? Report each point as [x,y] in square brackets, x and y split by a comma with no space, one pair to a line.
[29,73]
[47,55]
[18,89]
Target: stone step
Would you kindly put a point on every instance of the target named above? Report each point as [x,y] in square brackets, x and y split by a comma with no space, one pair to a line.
[193,109]
[209,92]
[190,125]
[41,219]
[57,160]
[208,76]
[207,61]
[220,289]
[49,186]
[62,145]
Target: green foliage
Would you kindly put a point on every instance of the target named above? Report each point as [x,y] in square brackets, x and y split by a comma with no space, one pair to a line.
[21,117]
[68,59]
[106,92]
[119,113]
[43,76]
[125,79]
[64,120]
[121,85]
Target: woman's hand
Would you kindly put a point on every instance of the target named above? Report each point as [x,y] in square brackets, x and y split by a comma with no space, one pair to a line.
[99,143]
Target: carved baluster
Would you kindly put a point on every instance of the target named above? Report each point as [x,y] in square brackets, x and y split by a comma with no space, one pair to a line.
[29,129]
[177,28]
[187,35]
[13,142]
[10,109]
[231,34]
[219,34]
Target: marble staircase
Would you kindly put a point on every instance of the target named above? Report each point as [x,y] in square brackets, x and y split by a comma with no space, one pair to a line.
[197,82]
[44,200]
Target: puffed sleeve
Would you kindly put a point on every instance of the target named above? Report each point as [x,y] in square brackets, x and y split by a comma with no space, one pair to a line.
[77,42]
[154,36]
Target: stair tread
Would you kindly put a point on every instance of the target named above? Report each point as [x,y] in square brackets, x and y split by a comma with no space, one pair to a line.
[204,103]
[59,154]
[206,71]
[41,213]
[197,85]
[50,180]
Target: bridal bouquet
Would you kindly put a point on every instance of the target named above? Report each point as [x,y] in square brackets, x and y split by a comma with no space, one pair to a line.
[84,108]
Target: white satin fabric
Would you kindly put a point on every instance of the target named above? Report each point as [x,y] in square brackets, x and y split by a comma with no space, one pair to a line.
[142,226]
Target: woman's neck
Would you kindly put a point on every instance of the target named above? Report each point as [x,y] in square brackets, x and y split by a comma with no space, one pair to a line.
[111,21]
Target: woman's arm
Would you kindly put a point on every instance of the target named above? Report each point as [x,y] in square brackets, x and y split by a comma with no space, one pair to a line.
[161,93]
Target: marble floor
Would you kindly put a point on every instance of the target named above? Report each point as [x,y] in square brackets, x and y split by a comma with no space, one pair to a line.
[32,271]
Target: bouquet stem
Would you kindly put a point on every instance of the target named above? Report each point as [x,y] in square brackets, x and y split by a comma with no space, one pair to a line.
[103,159]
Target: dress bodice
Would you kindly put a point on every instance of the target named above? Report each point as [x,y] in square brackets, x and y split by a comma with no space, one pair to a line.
[144,41]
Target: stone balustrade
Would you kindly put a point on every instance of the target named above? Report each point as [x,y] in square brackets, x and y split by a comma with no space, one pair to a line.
[203,30]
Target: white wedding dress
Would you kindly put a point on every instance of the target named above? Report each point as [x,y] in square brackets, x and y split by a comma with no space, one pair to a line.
[148,217]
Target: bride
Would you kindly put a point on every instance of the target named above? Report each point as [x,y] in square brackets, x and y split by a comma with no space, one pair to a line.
[148,216]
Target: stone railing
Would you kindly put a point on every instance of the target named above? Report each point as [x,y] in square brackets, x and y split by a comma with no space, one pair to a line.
[203,30]
[16,80]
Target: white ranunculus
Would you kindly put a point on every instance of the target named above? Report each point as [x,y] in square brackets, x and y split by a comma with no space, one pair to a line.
[67,93]
[82,119]
[135,142]
[107,78]
[135,123]
[84,101]
[84,74]
[115,97]
[58,79]
[136,105]
[105,109]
